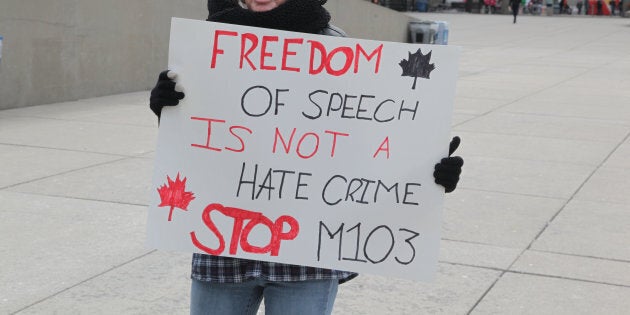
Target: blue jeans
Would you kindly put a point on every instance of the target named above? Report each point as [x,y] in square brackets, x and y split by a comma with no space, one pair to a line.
[312,297]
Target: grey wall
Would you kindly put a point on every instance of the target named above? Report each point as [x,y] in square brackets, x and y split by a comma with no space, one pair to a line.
[363,19]
[63,50]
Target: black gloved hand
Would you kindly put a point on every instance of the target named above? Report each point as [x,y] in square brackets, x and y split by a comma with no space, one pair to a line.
[448,170]
[164,93]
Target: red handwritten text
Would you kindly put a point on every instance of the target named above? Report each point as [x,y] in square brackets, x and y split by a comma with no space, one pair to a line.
[256,54]
[240,233]
[302,150]
[233,132]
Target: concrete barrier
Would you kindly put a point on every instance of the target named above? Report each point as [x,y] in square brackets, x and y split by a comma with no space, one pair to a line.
[363,19]
[65,50]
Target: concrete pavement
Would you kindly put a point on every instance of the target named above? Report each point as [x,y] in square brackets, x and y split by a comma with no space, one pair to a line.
[539,225]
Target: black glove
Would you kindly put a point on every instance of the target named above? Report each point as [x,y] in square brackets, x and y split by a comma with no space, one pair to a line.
[164,93]
[448,170]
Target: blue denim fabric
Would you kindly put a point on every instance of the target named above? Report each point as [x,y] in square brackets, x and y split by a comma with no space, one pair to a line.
[311,297]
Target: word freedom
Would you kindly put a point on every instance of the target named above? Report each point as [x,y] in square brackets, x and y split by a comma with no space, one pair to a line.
[256,53]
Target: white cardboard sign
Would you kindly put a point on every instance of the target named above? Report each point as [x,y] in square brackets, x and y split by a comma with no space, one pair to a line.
[303,149]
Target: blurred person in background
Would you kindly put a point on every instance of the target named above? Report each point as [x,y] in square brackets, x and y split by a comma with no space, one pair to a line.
[515,4]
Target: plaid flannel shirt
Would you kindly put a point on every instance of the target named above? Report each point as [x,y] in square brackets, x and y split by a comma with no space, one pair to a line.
[236,270]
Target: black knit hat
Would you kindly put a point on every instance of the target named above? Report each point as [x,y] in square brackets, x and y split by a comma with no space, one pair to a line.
[304,16]
[215,6]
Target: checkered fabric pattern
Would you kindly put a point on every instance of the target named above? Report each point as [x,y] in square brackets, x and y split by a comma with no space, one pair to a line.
[235,270]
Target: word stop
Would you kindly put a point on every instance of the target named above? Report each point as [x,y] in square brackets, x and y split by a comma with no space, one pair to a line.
[240,233]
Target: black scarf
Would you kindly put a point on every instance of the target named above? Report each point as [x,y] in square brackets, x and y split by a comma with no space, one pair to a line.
[305,16]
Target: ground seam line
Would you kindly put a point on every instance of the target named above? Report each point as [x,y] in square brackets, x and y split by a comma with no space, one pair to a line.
[84,281]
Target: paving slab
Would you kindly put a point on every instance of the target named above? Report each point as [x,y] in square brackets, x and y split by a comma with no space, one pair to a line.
[503,122]
[537,178]
[472,89]
[608,184]
[595,97]
[613,113]
[575,57]
[139,98]
[619,158]
[54,110]
[125,181]
[150,156]
[77,135]
[129,115]
[125,108]
[461,118]
[478,255]
[50,244]
[23,164]
[506,220]
[587,228]
[156,283]
[454,291]
[608,78]
[578,152]
[476,105]
[527,75]
[527,294]
[598,270]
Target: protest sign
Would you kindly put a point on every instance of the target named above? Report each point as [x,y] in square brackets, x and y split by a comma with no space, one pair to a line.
[303,149]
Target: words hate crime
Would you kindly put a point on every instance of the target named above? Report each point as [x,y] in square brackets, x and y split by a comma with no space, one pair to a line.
[256,55]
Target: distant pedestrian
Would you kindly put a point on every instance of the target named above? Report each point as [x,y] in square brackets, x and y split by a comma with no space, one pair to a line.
[599,7]
[549,9]
[515,4]
[579,7]
[567,7]
[613,6]
[490,6]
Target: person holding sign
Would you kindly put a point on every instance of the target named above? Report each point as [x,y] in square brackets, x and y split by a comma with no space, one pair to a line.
[226,285]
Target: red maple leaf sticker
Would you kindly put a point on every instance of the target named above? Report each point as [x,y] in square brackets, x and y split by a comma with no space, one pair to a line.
[175,195]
